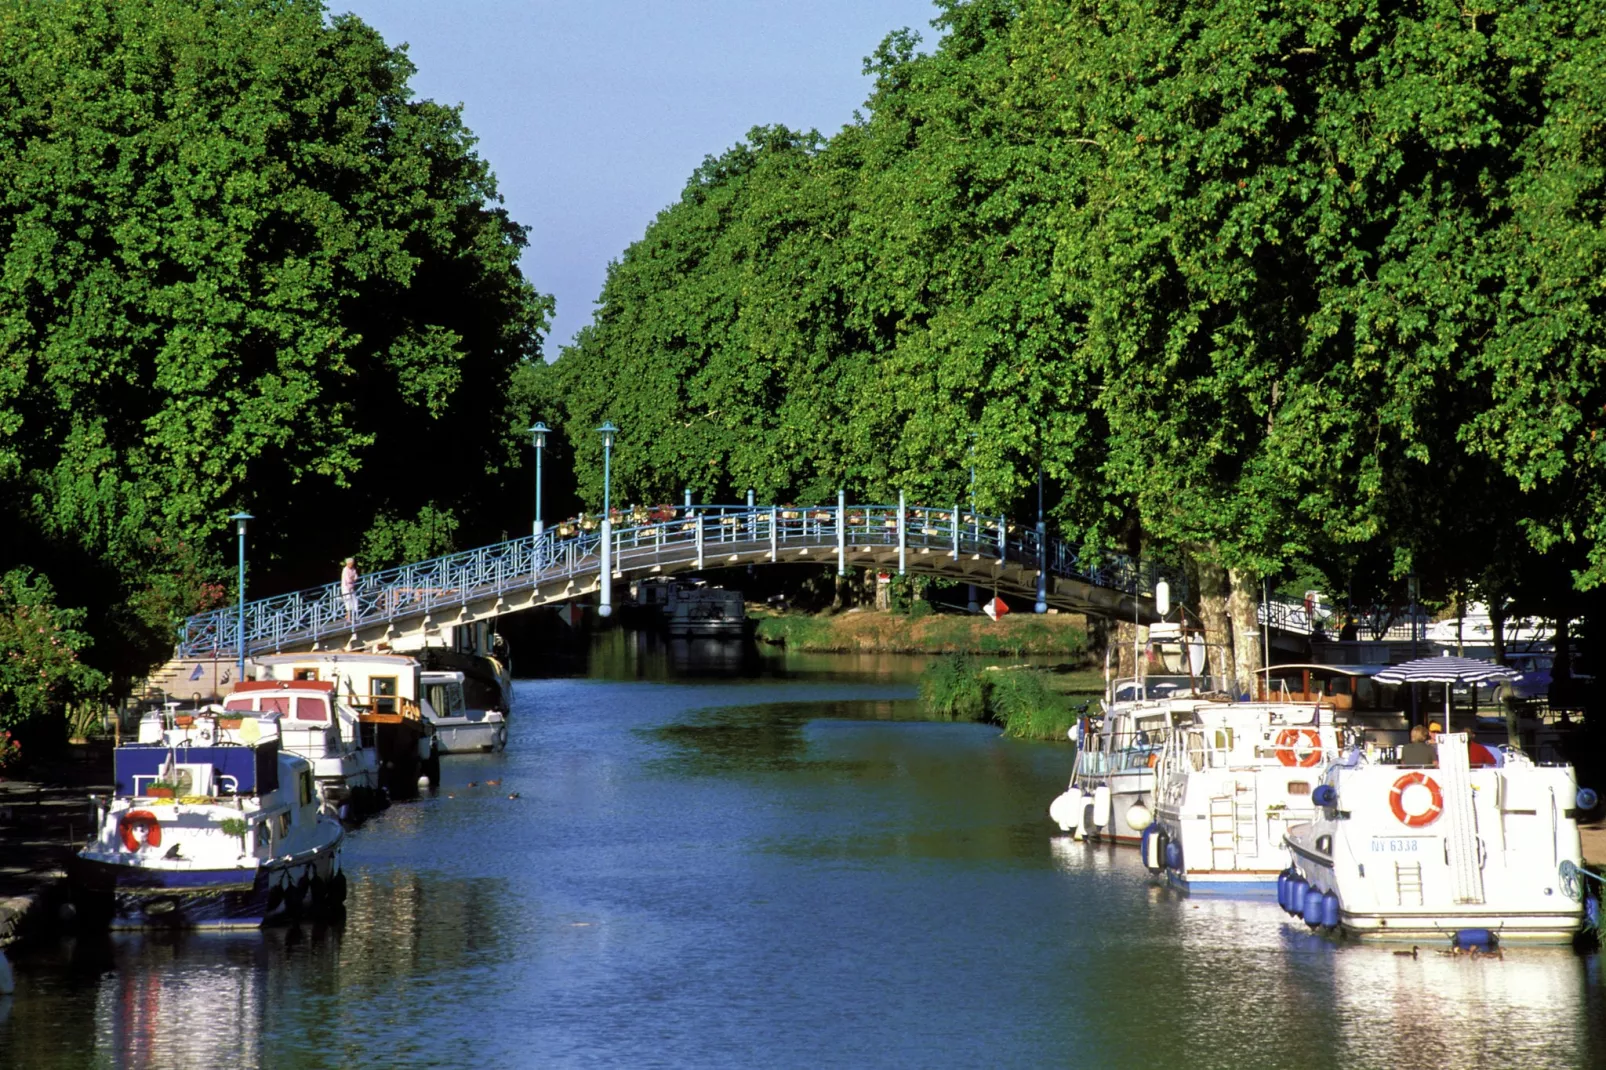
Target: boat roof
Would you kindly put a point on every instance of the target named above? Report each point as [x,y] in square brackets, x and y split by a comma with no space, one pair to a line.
[284,685]
[1338,670]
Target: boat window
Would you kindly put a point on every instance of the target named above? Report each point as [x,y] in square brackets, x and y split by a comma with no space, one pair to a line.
[239,702]
[304,674]
[382,689]
[306,787]
[311,709]
[279,704]
[1298,787]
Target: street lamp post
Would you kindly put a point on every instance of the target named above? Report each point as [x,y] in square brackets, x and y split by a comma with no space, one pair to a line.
[974,603]
[239,621]
[538,433]
[605,590]
[1041,605]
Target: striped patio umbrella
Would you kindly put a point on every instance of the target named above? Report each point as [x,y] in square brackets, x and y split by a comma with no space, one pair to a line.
[1446,670]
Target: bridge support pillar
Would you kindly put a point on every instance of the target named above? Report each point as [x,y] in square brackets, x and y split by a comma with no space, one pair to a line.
[956,533]
[699,522]
[841,533]
[903,536]
[605,578]
[775,534]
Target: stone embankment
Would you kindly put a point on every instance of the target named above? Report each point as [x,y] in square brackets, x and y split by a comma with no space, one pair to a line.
[43,821]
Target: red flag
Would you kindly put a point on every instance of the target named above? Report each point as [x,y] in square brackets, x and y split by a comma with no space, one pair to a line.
[996,608]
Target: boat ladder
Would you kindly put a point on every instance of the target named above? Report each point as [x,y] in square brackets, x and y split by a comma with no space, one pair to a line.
[1234,825]
[1461,830]
[1408,883]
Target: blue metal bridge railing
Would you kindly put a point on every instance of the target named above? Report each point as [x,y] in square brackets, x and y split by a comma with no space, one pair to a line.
[684,536]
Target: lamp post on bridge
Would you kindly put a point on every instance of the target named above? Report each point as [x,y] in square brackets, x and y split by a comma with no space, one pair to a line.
[1042,548]
[973,605]
[538,433]
[605,589]
[239,621]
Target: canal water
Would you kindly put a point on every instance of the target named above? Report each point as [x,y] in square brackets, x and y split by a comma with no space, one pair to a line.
[708,860]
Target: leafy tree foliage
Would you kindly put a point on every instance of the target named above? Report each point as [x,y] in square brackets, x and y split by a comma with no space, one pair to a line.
[1311,282]
[241,267]
[40,644]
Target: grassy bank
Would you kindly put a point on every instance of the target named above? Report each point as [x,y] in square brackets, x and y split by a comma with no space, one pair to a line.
[891,633]
[1027,703]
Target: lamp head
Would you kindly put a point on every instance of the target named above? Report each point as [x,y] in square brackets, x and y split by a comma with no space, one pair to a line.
[538,433]
[608,431]
[239,521]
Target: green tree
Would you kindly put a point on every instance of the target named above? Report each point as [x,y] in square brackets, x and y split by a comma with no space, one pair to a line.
[40,646]
[241,267]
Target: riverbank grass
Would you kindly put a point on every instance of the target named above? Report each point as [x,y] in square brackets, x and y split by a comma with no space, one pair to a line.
[1058,635]
[1023,701]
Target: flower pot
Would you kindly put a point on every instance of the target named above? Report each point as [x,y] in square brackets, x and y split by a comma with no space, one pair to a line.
[183,720]
[228,722]
[158,793]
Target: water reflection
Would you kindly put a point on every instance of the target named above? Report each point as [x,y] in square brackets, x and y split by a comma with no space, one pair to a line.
[734,872]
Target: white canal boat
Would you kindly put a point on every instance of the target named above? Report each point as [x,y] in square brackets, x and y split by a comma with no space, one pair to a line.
[315,725]
[459,730]
[215,825]
[1228,785]
[1480,846]
[1111,793]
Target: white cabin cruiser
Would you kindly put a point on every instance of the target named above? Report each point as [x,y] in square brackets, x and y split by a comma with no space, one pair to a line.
[459,730]
[1479,847]
[1111,793]
[315,725]
[383,693]
[1228,785]
[214,825]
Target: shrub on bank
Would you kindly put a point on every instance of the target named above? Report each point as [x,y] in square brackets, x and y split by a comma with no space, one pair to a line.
[951,688]
[1019,700]
[928,634]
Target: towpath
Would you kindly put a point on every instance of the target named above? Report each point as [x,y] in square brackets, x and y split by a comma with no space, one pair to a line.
[42,822]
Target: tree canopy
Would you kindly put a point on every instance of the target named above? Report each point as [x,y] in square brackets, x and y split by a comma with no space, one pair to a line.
[1268,284]
[241,267]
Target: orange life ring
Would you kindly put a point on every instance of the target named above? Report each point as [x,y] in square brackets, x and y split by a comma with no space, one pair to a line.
[1154,759]
[127,823]
[1288,741]
[1435,802]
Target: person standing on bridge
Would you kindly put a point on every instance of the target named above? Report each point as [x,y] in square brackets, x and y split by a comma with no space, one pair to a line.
[348,587]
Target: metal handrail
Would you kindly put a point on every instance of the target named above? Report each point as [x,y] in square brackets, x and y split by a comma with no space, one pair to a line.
[664,536]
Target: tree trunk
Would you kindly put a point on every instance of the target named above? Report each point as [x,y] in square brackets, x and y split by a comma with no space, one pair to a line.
[1213,617]
[1242,601]
[1497,626]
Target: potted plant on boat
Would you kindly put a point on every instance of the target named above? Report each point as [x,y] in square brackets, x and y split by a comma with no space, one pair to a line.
[161,789]
[228,721]
[236,827]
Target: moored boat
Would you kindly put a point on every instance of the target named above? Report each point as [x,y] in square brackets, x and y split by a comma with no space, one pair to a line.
[1478,846]
[1111,793]
[1228,785]
[458,729]
[385,696]
[213,826]
[315,725]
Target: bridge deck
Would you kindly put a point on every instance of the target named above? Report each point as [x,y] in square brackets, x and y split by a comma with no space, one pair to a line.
[561,565]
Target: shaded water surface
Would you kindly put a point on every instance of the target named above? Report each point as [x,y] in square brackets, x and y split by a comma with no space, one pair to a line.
[782,871]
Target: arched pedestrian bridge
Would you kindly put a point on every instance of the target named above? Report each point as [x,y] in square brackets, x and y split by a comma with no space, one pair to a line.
[566,563]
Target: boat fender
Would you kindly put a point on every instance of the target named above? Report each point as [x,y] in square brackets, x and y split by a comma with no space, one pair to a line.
[1329,911]
[1173,856]
[1087,825]
[1101,806]
[1149,847]
[1138,817]
[1435,800]
[1282,889]
[340,887]
[139,819]
[320,890]
[275,897]
[1313,908]
[1288,743]
[1325,795]
[1587,799]
[1064,807]
[1296,894]
[1465,939]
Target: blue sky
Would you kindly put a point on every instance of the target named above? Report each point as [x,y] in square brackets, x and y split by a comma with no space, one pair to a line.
[593,114]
